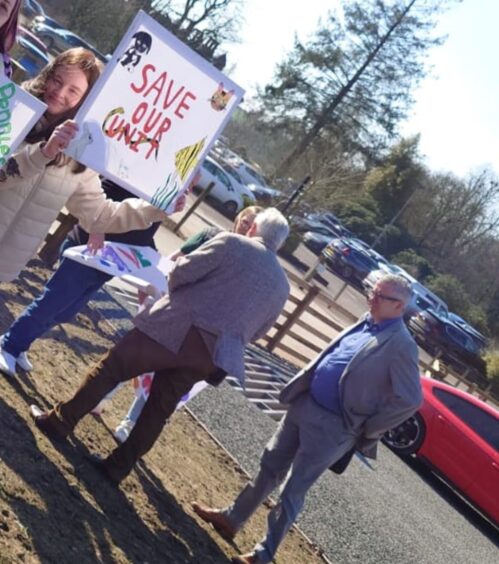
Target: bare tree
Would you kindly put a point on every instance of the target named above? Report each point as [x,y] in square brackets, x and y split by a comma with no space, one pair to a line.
[454,214]
[220,18]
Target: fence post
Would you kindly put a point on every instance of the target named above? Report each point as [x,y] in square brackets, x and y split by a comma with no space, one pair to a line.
[192,209]
[336,297]
[296,313]
[49,252]
[313,269]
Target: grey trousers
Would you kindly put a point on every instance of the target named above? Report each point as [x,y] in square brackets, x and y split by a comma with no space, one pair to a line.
[307,441]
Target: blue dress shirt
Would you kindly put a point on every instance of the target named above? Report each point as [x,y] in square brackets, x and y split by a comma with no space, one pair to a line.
[324,387]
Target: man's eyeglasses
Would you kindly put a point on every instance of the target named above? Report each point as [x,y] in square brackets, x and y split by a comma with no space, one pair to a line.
[379,296]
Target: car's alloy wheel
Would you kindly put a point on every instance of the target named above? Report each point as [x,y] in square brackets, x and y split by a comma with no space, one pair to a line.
[407,437]
[347,271]
[230,208]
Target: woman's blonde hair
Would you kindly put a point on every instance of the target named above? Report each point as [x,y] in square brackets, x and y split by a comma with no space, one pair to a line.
[250,210]
[78,57]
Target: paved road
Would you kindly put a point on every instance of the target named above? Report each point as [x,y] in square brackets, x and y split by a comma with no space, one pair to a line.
[391,514]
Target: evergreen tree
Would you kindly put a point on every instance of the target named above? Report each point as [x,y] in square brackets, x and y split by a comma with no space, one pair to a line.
[395,179]
[355,76]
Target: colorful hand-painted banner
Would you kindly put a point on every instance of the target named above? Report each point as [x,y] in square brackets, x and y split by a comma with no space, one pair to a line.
[118,259]
[152,281]
[153,114]
[19,111]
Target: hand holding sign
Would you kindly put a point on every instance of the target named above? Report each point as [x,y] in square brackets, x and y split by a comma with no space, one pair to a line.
[95,242]
[61,137]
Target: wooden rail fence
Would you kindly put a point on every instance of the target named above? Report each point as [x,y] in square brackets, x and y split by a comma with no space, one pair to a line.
[305,326]
[298,340]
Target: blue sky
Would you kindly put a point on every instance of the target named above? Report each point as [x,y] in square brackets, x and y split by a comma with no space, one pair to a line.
[457,105]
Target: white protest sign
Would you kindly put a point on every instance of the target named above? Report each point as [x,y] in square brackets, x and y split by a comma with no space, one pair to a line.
[120,259]
[153,114]
[19,111]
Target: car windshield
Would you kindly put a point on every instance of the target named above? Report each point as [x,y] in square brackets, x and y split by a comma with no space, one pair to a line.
[255,175]
[365,260]
[459,337]
[233,173]
[422,303]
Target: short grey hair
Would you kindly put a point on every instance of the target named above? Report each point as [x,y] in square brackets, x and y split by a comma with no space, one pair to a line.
[272,227]
[400,285]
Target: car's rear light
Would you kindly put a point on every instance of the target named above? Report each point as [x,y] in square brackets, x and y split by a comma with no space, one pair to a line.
[345,252]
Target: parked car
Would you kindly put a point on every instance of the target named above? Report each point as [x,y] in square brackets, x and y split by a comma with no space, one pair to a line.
[424,299]
[264,194]
[348,258]
[385,268]
[231,196]
[308,223]
[232,172]
[248,173]
[379,258]
[458,436]
[254,180]
[239,185]
[325,218]
[460,322]
[316,241]
[221,152]
[58,40]
[44,20]
[29,56]
[32,8]
[25,33]
[437,331]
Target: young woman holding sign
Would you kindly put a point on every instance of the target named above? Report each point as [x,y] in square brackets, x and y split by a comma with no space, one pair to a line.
[9,13]
[38,180]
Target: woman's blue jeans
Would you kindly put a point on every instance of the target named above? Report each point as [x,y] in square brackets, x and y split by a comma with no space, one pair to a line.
[69,289]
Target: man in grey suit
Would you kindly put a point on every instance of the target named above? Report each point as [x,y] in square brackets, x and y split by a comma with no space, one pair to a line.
[222,296]
[364,383]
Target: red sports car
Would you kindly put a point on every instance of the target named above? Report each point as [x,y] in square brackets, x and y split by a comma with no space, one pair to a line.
[458,435]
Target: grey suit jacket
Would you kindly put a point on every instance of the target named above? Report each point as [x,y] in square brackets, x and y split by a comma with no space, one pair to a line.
[232,287]
[380,387]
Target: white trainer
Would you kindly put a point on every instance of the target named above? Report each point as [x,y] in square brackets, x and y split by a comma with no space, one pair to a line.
[24,363]
[7,363]
[22,360]
[123,430]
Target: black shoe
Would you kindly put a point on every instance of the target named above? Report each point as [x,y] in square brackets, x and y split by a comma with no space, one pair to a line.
[99,464]
[43,422]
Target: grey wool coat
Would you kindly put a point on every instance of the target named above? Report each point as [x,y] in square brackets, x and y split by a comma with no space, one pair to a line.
[232,287]
[379,389]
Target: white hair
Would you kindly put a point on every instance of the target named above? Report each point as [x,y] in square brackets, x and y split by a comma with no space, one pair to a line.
[272,227]
[400,285]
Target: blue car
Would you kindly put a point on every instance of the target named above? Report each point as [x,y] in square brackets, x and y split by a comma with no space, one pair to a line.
[28,59]
[461,345]
[349,258]
[32,8]
[58,40]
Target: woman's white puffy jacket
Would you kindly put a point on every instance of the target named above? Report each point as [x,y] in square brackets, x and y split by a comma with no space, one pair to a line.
[32,194]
